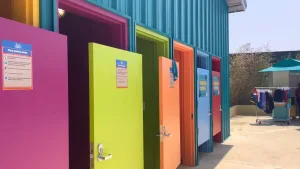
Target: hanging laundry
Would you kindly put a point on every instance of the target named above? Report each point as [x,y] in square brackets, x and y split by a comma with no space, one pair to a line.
[285,95]
[269,103]
[289,99]
[259,104]
[263,102]
[254,98]
[279,95]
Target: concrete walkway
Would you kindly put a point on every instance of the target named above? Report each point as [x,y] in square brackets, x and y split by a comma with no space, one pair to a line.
[270,145]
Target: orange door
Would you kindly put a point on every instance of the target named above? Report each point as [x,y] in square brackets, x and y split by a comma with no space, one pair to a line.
[169,107]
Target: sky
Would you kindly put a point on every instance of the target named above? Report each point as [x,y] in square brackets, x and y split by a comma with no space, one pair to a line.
[272,22]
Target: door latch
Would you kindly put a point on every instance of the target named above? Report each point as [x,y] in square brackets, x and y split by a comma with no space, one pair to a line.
[165,132]
[101,157]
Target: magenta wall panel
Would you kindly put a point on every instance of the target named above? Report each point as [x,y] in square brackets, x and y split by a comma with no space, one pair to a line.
[34,123]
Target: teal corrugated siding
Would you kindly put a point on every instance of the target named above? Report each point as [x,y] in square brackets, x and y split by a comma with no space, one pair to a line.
[198,23]
[48,15]
[225,80]
[202,24]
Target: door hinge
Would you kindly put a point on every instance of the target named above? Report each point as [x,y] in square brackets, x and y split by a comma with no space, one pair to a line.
[91,154]
[192,116]
[144,106]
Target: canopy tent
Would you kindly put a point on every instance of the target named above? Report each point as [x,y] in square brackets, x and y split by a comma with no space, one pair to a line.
[284,65]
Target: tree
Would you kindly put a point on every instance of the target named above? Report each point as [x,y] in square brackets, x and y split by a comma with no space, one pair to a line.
[244,71]
[297,56]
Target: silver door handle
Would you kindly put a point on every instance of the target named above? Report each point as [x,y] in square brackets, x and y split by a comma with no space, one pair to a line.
[101,157]
[165,132]
[220,108]
[209,114]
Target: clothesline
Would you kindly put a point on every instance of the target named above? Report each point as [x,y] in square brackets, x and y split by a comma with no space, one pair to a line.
[275,87]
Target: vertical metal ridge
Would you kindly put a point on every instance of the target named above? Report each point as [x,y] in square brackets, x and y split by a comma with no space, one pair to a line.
[48,15]
[207,147]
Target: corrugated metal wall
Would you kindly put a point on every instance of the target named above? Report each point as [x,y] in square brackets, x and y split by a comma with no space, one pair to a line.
[199,23]
[48,15]
[202,24]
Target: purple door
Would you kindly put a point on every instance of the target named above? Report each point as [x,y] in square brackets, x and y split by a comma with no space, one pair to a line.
[33,98]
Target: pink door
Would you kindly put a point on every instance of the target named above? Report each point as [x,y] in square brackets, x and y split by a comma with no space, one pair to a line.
[216,101]
[34,98]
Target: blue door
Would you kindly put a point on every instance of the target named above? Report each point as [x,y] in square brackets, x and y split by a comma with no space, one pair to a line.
[203,108]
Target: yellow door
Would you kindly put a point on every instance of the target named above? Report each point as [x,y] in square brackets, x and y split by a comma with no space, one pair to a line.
[116,108]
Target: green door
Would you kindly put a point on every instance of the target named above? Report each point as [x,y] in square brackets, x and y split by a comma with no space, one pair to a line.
[116,108]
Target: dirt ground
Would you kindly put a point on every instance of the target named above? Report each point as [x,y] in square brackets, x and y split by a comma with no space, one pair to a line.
[270,145]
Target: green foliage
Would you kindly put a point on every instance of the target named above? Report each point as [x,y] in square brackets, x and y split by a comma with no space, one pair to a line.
[244,71]
[298,56]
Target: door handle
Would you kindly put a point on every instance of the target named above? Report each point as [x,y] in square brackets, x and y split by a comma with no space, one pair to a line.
[165,132]
[101,157]
[220,108]
[209,112]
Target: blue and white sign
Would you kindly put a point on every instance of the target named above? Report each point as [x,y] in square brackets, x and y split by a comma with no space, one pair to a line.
[202,85]
[16,65]
[121,74]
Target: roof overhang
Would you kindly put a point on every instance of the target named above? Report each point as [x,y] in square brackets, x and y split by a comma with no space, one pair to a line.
[236,6]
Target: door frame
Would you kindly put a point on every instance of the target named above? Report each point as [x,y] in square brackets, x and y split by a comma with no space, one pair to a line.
[208,146]
[161,42]
[95,12]
[188,154]
[218,138]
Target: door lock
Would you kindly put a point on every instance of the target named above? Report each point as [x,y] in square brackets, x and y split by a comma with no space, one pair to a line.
[101,157]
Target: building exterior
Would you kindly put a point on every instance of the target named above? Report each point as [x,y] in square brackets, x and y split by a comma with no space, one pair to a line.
[194,33]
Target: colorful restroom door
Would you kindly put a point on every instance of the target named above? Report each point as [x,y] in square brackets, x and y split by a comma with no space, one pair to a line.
[216,90]
[169,107]
[203,105]
[34,98]
[116,108]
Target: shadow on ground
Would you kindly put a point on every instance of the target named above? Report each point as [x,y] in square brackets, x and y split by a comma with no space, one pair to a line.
[211,160]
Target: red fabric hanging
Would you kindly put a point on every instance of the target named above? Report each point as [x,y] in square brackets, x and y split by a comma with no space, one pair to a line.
[285,96]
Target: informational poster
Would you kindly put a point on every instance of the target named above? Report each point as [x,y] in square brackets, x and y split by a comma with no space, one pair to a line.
[16,66]
[171,78]
[122,74]
[203,85]
[216,85]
